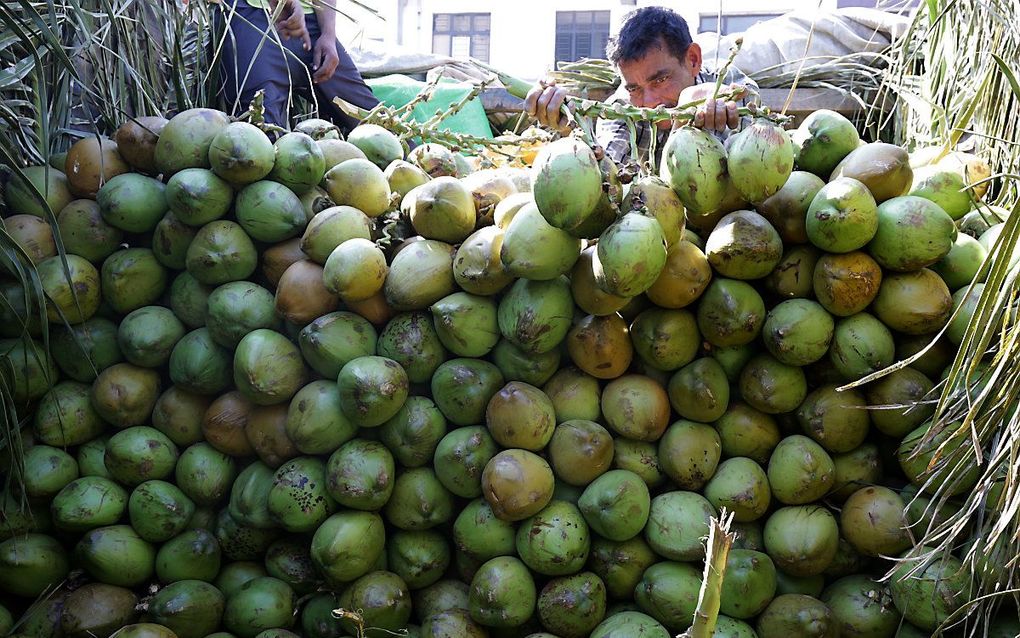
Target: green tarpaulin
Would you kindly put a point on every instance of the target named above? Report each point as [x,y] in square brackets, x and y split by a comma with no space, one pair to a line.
[398,90]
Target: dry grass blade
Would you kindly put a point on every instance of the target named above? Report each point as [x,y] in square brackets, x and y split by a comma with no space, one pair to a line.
[950,91]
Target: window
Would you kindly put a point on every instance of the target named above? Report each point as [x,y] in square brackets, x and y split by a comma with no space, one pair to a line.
[581,34]
[460,35]
[732,22]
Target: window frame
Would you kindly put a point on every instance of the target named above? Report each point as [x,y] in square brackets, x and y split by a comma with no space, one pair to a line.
[480,37]
[596,29]
[713,20]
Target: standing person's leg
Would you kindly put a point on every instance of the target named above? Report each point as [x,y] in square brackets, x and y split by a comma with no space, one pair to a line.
[346,83]
[255,59]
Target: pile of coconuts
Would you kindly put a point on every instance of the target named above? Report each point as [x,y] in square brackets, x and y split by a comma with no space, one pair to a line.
[274,379]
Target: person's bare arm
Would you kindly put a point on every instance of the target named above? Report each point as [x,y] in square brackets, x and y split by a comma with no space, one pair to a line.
[324,56]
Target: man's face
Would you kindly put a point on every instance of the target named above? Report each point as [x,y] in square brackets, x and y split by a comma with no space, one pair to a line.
[657,78]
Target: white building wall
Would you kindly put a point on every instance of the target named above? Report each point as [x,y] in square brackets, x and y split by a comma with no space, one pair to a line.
[523,32]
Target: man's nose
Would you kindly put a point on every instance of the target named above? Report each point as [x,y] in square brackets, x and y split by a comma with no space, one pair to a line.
[646,98]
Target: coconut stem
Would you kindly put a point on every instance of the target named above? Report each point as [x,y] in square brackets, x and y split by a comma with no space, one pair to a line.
[717,551]
[405,127]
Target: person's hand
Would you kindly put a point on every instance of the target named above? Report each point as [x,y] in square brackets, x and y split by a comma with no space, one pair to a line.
[290,21]
[324,58]
[543,102]
[714,115]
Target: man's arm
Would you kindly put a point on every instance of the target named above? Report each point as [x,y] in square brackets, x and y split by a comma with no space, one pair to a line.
[324,56]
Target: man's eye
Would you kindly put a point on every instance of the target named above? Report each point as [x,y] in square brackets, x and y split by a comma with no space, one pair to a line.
[660,80]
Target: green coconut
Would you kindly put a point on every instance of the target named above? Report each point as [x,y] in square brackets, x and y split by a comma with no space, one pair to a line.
[759,160]
[695,166]
[566,182]
[945,187]
[332,227]
[361,184]
[743,245]
[420,275]
[883,168]
[460,458]
[300,164]
[731,313]
[842,217]
[961,264]
[378,144]
[822,140]
[49,182]
[132,202]
[798,331]
[914,303]
[913,232]
[404,176]
[268,368]
[269,211]
[333,339]
[928,592]
[535,315]
[148,335]
[116,555]
[800,471]
[185,140]
[221,252]
[861,344]
[802,539]
[787,209]
[477,265]
[198,364]
[360,475]
[198,196]
[73,295]
[170,241]
[241,153]
[534,249]
[85,233]
[372,389]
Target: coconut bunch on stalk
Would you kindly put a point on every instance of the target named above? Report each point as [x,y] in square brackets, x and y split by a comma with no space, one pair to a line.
[313,374]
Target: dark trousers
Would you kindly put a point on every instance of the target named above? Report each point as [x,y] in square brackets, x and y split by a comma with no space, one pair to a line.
[255,58]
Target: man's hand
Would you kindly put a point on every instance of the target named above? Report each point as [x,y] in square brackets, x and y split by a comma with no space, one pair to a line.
[324,58]
[543,102]
[290,21]
[714,115]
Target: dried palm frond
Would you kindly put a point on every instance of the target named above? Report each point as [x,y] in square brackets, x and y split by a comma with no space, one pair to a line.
[952,83]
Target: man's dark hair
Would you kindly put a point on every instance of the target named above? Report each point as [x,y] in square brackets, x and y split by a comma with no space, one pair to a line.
[646,28]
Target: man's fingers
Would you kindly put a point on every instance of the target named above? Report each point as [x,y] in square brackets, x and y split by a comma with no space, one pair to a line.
[556,102]
[542,106]
[306,39]
[549,105]
[327,66]
[531,101]
[732,119]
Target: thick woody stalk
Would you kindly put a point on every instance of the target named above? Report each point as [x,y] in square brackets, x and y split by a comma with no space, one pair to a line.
[720,539]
